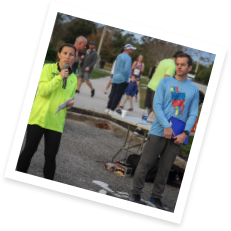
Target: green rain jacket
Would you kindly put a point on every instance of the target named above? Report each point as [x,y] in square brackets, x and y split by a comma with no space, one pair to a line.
[50,96]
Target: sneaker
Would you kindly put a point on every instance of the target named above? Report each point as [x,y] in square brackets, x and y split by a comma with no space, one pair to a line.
[92,92]
[77,91]
[121,107]
[110,112]
[138,132]
[158,203]
[130,109]
[107,110]
[135,198]
[118,111]
[146,137]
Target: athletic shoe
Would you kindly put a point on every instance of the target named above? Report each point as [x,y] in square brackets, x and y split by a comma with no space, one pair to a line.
[146,137]
[92,92]
[107,110]
[77,91]
[130,109]
[158,203]
[118,111]
[138,132]
[110,112]
[121,107]
[135,198]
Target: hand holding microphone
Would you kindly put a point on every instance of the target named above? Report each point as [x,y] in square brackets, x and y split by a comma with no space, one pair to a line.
[64,74]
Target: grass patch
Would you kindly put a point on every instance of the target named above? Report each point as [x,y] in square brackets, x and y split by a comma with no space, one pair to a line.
[97,73]
[187,148]
[107,68]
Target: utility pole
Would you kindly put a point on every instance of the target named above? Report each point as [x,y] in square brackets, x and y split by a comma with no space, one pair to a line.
[210,57]
[100,44]
[198,62]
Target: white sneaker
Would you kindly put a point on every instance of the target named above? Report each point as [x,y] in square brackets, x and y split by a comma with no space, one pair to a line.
[107,110]
[111,112]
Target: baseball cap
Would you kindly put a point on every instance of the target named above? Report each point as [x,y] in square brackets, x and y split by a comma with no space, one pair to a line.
[129,46]
[92,43]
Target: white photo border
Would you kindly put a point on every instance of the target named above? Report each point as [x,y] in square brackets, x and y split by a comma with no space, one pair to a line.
[140,29]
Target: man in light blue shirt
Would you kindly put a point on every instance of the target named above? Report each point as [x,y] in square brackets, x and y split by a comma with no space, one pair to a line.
[175,96]
[122,73]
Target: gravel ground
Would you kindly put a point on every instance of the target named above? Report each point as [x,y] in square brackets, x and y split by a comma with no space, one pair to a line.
[83,150]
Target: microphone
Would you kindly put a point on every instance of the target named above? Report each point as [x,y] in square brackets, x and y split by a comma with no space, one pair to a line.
[65,66]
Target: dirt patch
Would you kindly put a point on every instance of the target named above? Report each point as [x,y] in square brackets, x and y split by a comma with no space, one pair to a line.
[102,126]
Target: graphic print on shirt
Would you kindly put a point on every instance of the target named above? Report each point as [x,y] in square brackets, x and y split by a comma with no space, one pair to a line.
[178,99]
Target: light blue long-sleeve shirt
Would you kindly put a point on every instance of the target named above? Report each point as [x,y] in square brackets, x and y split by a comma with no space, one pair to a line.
[174,98]
[122,70]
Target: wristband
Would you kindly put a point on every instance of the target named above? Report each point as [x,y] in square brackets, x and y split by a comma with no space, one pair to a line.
[186,132]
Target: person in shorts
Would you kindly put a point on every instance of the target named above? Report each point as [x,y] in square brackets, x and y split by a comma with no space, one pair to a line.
[137,69]
[87,67]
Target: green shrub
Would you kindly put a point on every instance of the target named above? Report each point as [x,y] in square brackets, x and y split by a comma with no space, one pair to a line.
[146,70]
[51,55]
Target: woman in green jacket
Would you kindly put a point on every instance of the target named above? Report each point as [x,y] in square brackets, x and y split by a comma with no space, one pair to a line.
[43,120]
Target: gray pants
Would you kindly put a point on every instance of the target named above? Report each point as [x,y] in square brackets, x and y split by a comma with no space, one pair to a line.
[154,147]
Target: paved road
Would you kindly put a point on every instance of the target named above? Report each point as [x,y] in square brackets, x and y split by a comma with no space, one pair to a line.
[98,103]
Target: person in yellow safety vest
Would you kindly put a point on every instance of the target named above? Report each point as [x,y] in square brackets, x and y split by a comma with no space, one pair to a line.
[43,121]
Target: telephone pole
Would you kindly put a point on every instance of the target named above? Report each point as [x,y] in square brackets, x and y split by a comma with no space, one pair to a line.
[210,57]
[100,44]
[198,62]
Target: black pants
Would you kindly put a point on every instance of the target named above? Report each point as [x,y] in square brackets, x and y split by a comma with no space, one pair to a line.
[34,134]
[116,94]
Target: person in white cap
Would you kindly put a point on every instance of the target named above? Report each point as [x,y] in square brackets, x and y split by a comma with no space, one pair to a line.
[122,73]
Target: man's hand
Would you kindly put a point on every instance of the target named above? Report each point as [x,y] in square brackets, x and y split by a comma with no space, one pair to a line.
[180,138]
[87,69]
[71,103]
[168,132]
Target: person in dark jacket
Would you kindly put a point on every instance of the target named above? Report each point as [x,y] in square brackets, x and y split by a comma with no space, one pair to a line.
[130,91]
